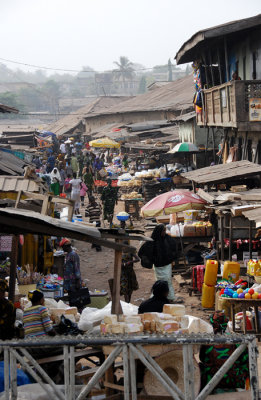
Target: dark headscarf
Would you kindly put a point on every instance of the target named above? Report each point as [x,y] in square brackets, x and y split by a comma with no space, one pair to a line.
[157,232]
[160,289]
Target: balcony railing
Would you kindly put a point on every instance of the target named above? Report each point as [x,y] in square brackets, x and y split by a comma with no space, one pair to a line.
[235,104]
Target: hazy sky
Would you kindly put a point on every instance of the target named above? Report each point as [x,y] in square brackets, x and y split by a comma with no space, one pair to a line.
[70,34]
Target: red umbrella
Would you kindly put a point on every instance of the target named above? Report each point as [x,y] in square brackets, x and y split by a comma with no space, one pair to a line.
[170,202]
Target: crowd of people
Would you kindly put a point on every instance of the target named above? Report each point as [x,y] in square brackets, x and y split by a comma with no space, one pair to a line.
[72,171]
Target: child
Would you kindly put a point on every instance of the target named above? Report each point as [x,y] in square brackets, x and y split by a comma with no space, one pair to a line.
[93,211]
[83,192]
[67,186]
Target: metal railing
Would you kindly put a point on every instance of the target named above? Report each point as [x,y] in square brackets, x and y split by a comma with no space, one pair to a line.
[130,348]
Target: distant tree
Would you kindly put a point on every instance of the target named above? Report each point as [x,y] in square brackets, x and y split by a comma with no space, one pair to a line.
[51,89]
[125,69]
[86,72]
[142,85]
[169,71]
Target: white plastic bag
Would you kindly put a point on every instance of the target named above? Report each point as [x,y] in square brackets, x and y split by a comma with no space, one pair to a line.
[91,315]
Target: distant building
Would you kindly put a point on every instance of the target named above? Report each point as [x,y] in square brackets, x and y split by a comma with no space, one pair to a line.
[106,85]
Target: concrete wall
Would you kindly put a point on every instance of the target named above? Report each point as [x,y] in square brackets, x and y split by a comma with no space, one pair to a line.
[92,124]
[191,132]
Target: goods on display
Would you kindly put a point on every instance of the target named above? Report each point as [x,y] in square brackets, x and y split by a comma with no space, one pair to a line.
[231,271]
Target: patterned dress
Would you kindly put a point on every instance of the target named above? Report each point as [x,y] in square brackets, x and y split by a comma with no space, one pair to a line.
[72,273]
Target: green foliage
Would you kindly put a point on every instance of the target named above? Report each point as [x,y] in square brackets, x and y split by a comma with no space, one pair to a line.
[125,70]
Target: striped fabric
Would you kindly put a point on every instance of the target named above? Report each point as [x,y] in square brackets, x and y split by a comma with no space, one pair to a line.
[36,321]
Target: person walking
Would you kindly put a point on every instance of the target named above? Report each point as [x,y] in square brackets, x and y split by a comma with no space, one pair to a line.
[163,254]
[75,194]
[93,211]
[72,273]
[62,175]
[109,199]
[67,186]
[83,192]
[88,179]
[55,181]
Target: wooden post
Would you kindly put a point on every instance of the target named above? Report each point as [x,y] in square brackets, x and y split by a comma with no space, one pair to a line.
[211,68]
[226,58]
[219,67]
[213,140]
[222,236]
[206,70]
[116,305]
[230,237]
[250,239]
[13,266]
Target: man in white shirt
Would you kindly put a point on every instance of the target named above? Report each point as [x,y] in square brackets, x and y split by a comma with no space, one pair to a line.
[62,148]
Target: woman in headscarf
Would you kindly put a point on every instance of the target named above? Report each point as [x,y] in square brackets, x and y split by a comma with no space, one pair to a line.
[55,181]
[160,291]
[164,253]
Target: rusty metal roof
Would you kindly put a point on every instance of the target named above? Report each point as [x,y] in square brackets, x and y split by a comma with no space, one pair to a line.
[189,50]
[175,96]
[6,109]
[223,172]
[74,119]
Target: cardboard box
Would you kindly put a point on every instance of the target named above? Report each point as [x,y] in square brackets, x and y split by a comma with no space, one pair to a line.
[189,230]
[190,216]
[209,230]
[200,230]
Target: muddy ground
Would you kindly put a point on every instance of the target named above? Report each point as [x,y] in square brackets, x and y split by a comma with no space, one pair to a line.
[97,268]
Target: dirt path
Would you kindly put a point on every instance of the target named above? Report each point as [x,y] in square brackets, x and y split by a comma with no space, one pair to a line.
[97,268]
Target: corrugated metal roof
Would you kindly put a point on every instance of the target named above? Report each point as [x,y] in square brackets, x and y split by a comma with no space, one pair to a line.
[176,96]
[74,119]
[11,164]
[188,50]
[6,109]
[16,183]
[223,172]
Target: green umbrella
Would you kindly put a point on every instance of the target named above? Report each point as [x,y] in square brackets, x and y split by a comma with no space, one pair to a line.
[185,147]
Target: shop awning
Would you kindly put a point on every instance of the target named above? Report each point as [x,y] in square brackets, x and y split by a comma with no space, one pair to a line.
[223,172]
[17,221]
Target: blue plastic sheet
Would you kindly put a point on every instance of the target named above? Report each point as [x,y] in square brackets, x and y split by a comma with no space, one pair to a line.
[22,377]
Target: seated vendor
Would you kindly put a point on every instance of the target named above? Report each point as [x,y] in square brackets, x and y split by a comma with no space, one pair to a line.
[160,291]
[7,313]
[36,319]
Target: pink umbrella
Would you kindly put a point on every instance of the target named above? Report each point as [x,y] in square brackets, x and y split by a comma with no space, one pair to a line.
[171,202]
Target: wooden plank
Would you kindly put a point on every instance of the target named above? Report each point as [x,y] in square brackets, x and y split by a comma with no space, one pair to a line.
[116,305]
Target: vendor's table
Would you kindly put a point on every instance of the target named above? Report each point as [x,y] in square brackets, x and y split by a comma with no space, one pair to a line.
[133,206]
[189,242]
[245,304]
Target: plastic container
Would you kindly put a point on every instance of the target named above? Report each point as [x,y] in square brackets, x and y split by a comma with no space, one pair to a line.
[253,267]
[211,271]
[208,296]
[231,271]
